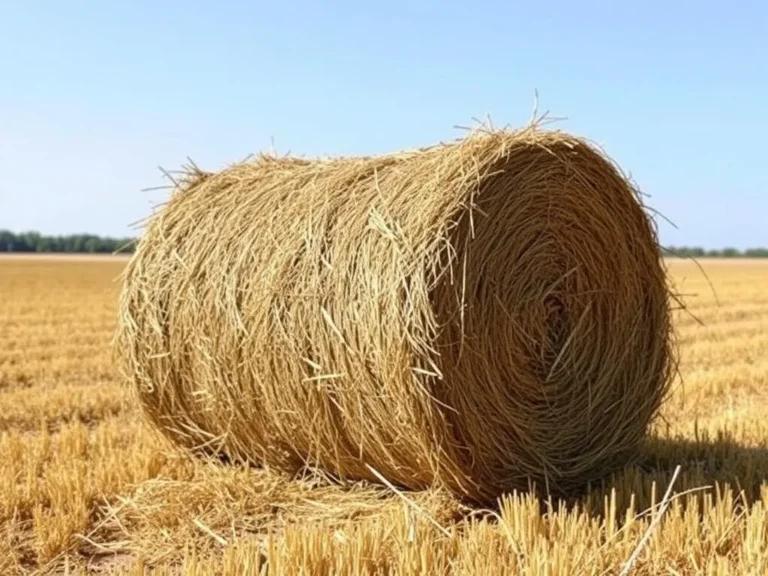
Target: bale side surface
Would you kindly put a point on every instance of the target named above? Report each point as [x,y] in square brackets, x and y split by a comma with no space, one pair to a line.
[478,314]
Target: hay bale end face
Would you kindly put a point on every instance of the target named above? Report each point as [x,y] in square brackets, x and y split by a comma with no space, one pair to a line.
[480,315]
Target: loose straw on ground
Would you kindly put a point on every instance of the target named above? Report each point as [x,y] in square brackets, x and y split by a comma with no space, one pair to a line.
[647,535]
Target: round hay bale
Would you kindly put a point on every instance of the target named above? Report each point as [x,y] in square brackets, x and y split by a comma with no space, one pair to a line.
[479,315]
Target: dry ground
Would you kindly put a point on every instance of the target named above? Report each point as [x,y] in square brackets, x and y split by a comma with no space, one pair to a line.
[84,486]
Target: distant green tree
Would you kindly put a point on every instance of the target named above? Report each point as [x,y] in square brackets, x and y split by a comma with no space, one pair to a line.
[76,243]
[7,239]
[43,244]
[58,244]
[29,241]
[91,244]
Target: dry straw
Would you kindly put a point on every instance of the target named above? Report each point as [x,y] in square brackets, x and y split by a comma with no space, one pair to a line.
[479,315]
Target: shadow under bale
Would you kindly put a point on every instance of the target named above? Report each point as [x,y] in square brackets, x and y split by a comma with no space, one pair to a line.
[477,315]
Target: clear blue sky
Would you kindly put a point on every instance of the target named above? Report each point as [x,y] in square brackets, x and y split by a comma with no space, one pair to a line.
[94,96]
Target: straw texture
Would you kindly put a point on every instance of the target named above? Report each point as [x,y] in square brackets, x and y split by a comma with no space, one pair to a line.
[478,315]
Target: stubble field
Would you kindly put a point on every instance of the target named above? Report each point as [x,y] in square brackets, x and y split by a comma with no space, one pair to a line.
[86,487]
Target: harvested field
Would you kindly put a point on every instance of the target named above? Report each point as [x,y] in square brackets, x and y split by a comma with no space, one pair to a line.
[86,487]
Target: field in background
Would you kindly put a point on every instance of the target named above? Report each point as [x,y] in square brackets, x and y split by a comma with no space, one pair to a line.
[84,485]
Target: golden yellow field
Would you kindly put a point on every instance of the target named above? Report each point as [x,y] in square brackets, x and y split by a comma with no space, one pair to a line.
[86,487]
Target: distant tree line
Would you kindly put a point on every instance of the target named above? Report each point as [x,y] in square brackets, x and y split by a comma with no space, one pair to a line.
[696,252]
[73,243]
[90,243]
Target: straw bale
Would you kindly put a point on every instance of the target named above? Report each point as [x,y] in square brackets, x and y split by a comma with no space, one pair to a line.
[479,315]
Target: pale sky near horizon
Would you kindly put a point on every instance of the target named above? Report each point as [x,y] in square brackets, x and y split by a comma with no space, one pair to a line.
[94,96]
